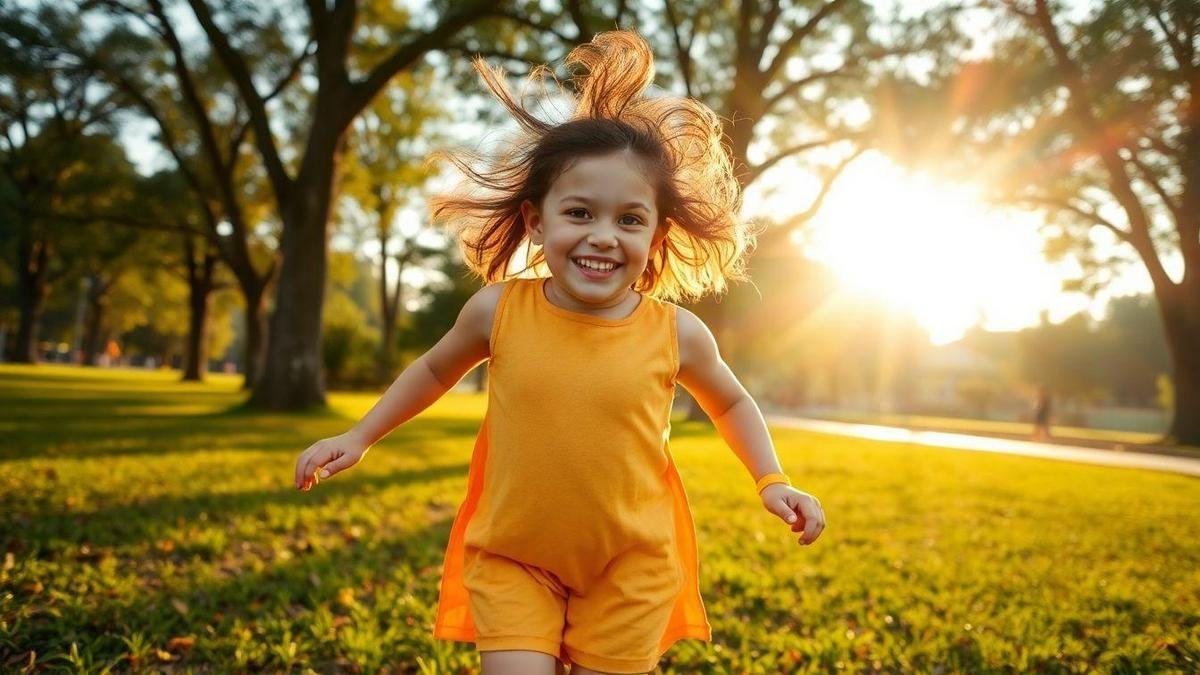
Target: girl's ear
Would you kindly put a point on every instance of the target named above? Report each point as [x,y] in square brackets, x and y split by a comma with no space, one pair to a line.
[533,221]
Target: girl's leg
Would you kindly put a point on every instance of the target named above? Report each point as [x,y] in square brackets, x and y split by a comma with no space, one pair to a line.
[519,662]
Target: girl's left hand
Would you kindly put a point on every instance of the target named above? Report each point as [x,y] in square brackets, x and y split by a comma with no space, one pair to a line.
[786,501]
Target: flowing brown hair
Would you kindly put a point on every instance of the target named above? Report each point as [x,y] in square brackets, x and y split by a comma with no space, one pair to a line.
[679,141]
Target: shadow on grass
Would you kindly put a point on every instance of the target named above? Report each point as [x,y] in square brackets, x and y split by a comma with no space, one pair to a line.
[45,527]
[119,423]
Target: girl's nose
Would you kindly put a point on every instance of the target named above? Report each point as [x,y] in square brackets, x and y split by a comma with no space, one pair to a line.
[603,236]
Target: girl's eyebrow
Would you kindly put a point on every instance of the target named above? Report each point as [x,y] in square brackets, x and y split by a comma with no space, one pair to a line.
[626,205]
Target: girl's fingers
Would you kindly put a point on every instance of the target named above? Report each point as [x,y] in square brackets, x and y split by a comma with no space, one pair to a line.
[300,462]
[785,512]
[307,466]
[305,469]
[332,467]
[814,524]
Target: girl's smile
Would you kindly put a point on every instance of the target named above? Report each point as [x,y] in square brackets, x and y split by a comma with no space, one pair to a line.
[595,268]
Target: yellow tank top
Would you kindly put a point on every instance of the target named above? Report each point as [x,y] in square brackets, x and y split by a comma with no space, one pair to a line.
[572,462]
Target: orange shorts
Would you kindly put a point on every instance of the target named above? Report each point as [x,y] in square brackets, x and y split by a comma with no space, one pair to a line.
[615,625]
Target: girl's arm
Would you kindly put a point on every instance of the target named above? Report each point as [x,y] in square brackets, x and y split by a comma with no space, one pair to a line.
[737,418]
[422,383]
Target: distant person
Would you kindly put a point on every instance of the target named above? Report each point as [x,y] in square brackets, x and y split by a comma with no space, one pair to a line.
[628,204]
[1041,414]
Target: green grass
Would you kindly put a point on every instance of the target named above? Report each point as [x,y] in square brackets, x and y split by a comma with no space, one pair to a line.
[149,525]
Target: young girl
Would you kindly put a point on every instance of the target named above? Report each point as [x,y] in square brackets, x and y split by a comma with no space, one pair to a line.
[575,543]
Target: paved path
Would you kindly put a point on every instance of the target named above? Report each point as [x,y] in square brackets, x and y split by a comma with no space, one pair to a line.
[1136,460]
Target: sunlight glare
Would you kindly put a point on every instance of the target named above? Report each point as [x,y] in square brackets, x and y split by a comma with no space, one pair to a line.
[933,249]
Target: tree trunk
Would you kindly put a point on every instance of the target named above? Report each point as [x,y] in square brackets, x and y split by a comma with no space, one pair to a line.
[389,303]
[1180,310]
[92,326]
[196,354]
[32,291]
[200,287]
[292,378]
[254,355]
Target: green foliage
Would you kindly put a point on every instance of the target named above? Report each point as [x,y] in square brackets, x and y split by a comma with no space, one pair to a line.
[1166,391]
[428,324]
[1081,117]
[351,336]
[147,527]
[1128,342]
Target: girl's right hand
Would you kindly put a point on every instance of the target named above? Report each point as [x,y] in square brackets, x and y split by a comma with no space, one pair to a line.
[327,457]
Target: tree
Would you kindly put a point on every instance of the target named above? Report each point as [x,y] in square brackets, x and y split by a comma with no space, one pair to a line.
[49,104]
[1136,349]
[1096,121]
[143,56]
[167,199]
[346,82]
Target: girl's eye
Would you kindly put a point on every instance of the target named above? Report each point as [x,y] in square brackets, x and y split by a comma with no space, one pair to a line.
[572,212]
[635,219]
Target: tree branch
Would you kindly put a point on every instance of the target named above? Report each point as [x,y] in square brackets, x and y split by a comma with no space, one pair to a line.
[281,182]
[683,52]
[768,24]
[405,55]
[758,169]
[1089,214]
[788,46]
[124,220]
[791,88]
[584,32]
[1177,48]
[800,219]
[1079,105]
[1148,175]
[490,53]
[168,135]
[236,141]
[526,21]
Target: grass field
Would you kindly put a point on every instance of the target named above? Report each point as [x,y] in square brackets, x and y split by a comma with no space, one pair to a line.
[147,524]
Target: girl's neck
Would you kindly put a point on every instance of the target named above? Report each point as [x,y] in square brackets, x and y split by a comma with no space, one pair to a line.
[617,309]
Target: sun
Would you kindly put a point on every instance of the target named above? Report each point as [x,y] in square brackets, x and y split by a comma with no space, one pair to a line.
[931,248]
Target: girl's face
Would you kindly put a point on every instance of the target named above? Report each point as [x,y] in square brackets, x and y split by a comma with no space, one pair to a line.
[600,212]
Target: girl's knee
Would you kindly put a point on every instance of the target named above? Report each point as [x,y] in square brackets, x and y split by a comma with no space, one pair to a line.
[519,662]
[577,669]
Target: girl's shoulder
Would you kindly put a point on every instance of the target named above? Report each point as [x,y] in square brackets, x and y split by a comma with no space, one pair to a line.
[694,339]
[478,314]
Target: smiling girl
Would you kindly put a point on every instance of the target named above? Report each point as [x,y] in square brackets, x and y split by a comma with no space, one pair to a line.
[575,543]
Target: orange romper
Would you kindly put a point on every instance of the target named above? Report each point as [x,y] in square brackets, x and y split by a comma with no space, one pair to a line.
[575,538]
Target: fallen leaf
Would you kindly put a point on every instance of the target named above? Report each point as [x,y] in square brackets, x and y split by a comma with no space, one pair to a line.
[180,606]
[182,643]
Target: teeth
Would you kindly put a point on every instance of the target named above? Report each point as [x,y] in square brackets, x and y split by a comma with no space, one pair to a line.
[593,265]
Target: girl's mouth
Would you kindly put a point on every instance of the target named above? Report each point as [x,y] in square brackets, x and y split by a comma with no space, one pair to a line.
[595,275]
